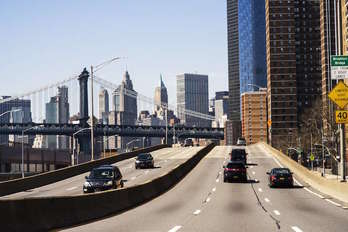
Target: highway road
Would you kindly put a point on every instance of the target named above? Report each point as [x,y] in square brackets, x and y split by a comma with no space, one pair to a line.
[203,202]
[165,160]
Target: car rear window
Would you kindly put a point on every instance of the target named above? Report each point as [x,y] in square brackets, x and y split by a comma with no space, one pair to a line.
[235,165]
[101,174]
[143,156]
[282,171]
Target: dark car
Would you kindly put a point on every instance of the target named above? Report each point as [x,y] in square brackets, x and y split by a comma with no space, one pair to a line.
[280,177]
[241,141]
[144,160]
[235,170]
[239,155]
[103,178]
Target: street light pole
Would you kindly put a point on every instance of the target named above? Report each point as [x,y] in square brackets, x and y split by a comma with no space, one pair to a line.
[92,117]
[98,67]
[10,111]
[131,142]
[22,165]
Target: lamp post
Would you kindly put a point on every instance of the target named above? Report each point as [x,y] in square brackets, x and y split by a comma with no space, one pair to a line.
[95,69]
[23,131]
[74,144]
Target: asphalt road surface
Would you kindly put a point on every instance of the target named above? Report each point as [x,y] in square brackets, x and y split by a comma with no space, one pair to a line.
[165,160]
[203,202]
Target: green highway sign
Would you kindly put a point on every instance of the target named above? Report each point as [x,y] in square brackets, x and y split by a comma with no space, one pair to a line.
[339,67]
[339,61]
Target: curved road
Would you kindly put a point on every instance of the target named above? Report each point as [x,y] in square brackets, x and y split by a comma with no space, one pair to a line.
[165,160]
[202,202]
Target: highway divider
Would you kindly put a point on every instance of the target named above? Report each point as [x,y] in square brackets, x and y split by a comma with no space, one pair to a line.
[42,214]
[23,184]
[332,188]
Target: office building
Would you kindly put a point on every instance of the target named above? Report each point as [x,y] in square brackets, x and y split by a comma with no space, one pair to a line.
[124,107]
[254,116]
[57,111]
[293,64]
[192,95]
[23,115]
[246,55]
[161,99]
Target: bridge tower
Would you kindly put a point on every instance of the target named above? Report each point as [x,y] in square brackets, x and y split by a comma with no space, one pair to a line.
[84,142]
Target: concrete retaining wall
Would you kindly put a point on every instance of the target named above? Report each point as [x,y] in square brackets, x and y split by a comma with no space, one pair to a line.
[332,188]
[19,185]
[41,214]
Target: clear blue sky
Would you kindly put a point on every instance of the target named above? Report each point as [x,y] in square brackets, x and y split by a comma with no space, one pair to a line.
[44,41]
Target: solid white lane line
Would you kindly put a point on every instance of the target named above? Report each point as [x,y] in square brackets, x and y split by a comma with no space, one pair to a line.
[174,229]
[297,182]
[208,199]
[214,189]
[253,173]
[276,212]
[72,188]
[316,194]
[196,212]
[296,229]
[332,202]
[267,200]
[260,189]
[278,162]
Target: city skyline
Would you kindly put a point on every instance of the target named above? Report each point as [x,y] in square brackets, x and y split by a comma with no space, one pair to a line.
[169,47]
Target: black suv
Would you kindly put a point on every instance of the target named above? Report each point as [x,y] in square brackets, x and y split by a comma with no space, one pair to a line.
[144,160]
[280,177]
[103,178]
[235,170]
[239,155]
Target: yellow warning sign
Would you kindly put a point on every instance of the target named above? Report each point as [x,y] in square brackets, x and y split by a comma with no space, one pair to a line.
[339,94]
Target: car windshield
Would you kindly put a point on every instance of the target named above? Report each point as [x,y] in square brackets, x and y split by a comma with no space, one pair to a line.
[282,171]
[235,165]
[101,174]
[144,156]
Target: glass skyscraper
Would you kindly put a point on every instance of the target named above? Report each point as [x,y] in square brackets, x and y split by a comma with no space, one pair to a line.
[246,30]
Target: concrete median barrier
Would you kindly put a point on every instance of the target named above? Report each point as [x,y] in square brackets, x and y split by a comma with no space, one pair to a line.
[332,188]
[42,214]
[19,185]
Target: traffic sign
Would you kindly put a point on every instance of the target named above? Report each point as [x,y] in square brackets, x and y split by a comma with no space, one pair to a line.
[339,94]
[311,157]
[341,116]
[339,67]
[269,122]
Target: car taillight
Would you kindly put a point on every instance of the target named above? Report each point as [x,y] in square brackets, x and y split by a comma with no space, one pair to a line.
[273,177]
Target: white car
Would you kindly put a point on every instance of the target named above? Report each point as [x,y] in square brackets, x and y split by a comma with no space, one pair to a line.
[241,142]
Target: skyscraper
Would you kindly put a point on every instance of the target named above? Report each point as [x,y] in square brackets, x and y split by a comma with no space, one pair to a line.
[125,107]
[246,55]
[103,106]
[293,64]
[161,99]
[192,94]
[22,116]
[57,111]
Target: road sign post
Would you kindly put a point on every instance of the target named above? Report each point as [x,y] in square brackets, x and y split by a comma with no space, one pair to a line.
[339,95]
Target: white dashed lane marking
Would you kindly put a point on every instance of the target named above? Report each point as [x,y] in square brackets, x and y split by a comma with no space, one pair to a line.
[276,212]
[332,202]
[72,188]
[197,212]
[267,200]
[208,199]
[260,190]
[296,229]
[253,173]
[214,189]
[174,229]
